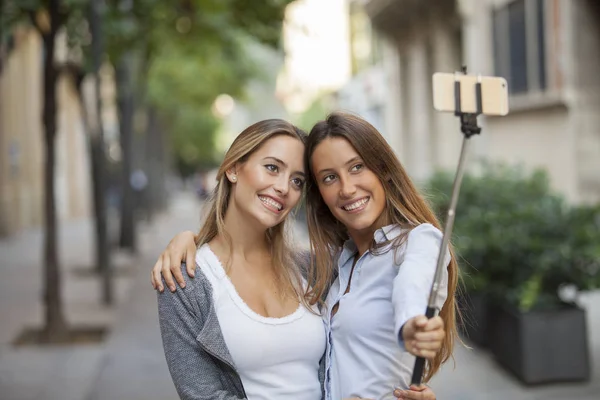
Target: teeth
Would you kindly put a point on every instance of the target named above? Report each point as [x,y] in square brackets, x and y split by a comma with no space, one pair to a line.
[354,206]
[271,202]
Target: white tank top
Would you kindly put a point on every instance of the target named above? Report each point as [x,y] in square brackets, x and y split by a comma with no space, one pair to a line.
[276,358]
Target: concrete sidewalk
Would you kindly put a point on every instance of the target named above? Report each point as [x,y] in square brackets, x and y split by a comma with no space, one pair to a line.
[132,352]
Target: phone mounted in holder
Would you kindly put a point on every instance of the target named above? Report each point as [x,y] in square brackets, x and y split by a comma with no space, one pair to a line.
[468,121]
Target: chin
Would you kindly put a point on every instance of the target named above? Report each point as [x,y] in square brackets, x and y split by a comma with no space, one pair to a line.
[268,221]
[356,221]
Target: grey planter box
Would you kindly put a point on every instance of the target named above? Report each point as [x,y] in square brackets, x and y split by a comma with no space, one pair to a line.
[541,347]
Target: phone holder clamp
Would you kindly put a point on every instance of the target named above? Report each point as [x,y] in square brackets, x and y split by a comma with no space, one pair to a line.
[468,121]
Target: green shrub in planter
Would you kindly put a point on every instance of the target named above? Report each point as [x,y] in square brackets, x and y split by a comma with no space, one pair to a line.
[519,243]
[518,240]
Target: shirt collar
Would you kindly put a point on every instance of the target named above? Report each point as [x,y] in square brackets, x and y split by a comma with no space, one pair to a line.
[383,234]
[348,251]
[387,233]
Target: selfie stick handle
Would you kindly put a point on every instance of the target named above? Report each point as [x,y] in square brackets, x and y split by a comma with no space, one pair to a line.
[469,127]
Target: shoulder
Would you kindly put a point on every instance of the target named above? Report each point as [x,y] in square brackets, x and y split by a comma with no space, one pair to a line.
[425,232]
[196,297]
[208,269]
[424,241]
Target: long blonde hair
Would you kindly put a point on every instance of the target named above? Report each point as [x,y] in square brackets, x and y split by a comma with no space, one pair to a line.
[244,145]
[404,206]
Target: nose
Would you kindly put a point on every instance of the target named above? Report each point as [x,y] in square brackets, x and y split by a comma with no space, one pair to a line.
[347,187]
[282,184]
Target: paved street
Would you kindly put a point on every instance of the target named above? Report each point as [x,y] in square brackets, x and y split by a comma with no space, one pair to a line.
[130,364]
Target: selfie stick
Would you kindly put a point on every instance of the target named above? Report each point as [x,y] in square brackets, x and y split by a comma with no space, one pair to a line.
[469,127]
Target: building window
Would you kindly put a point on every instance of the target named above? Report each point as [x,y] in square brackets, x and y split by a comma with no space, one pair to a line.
[520,45]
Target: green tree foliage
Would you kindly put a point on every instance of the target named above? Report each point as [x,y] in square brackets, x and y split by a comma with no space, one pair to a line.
[193,51]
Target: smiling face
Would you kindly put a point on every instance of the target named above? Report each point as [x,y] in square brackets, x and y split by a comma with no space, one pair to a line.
[268,185]
[351,191]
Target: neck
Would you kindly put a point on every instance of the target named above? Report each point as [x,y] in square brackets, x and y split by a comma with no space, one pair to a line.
[247,238]
[362,240]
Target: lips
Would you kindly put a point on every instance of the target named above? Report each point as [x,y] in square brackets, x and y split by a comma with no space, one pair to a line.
[356,205]
[271,203]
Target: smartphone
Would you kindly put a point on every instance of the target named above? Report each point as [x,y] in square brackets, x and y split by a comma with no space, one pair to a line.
[494,93]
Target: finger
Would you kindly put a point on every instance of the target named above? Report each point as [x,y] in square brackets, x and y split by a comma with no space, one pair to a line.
[152,276]
[152,280]
[421,321]
[434,346]
[166,273]
[418,388]
[426,392]
[176,271]
[415,392]
[430,336]
[415,350]
[433,324]
[428,354]
[411,347]
[156,275]
[404,394]
[190,262]
[413,395]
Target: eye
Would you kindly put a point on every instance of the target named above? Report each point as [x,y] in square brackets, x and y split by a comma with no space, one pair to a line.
[299,183]
[357,168]
[328,178]
[272,167]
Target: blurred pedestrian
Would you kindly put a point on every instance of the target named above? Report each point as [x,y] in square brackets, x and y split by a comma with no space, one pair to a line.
[361,202]
[139,183]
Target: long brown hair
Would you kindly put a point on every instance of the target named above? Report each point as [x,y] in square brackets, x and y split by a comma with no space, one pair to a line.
[244,145]
[404,207]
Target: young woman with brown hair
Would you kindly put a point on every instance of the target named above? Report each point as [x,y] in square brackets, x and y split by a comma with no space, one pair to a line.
[361,200]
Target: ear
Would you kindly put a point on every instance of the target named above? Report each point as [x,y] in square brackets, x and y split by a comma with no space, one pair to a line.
[231,175]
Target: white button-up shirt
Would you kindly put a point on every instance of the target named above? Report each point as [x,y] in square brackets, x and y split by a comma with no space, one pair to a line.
[365,356]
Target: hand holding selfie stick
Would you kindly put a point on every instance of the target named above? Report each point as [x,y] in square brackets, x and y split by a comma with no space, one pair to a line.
[469,127]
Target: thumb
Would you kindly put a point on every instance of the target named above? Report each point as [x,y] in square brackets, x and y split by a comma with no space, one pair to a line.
[421,321]
[418,388]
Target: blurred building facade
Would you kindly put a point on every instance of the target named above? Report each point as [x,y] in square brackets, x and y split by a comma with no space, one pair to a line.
[549,51]
[315,40]
[22,143]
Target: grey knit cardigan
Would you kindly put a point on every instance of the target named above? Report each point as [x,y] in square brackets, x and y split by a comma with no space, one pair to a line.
[199,362]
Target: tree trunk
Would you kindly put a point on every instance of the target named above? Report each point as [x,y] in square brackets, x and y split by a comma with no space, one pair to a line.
[126,106]
[99,160]
[55,328]
[153,162]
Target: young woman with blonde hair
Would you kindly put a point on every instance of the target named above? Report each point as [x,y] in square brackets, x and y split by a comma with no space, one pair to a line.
[375,243]
[243,327]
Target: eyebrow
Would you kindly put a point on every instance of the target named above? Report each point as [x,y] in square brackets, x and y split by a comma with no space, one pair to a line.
[350,161]
[277,160]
